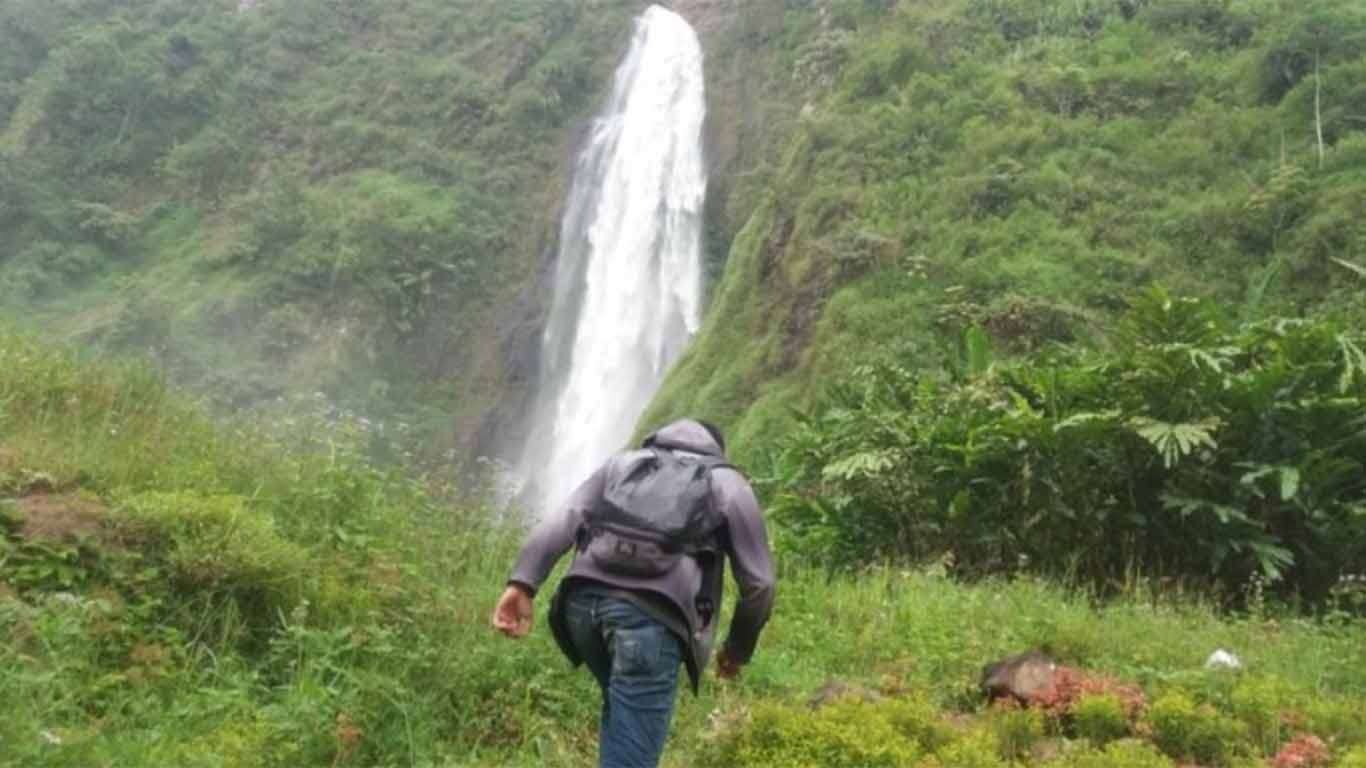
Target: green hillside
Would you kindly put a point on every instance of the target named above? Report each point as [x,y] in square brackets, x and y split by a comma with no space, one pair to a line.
[176,591]
[1028,167]
[343,197]
[1036,324]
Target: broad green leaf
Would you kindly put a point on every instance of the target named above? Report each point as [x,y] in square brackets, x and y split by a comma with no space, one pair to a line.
[1357,268]
[1272,559]
[1290,483]
[1353,363]
[867,464]
[1174,441]
[1083,419]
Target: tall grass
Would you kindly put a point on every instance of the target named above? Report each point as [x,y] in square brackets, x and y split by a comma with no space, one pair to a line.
[155,652]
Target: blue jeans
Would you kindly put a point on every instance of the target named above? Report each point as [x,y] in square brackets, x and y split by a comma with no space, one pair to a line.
[635,659]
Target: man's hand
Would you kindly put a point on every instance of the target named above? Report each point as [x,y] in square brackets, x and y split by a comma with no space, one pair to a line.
[513,614]
[726,668]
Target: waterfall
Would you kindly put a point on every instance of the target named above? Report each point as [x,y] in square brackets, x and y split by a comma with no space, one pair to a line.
[628,278]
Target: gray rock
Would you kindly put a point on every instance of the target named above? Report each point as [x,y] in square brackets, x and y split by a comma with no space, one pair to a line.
[1022,677]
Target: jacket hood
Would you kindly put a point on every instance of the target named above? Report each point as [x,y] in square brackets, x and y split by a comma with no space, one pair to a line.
[685,435]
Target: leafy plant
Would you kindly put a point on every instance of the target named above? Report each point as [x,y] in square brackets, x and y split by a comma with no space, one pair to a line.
[1191,449]
[1100,719]
[1183,729]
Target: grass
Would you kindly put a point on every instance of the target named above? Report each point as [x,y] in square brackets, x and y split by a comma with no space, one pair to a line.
[257,598]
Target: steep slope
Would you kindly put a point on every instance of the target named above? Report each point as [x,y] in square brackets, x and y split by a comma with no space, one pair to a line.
[294,195]
[1024,167]
[360,198]
[181,592]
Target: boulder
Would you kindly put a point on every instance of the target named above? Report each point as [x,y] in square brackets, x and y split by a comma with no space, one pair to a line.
[1025,677]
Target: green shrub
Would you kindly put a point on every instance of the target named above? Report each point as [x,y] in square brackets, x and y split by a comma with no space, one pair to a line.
[976,750]
[215,541]
[1258,704]
[1126,753]
[920,722]
[1100,719]
[1335,720]
[1354,758]
[1185,730]
[1017,731]
[848,734]
[221,554]
[1186,451]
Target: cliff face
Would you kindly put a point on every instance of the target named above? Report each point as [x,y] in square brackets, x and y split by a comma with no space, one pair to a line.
[710,18]
[748,100]
[296,199]
[748,108]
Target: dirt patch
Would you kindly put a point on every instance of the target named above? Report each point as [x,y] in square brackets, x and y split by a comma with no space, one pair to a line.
[61,518]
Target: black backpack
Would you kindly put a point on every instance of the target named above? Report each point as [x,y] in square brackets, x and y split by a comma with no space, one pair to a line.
[655,509]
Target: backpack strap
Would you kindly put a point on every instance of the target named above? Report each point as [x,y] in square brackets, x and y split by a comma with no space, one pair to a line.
[708,559]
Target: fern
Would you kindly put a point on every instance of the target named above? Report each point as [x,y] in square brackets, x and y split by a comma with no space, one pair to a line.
[868,464]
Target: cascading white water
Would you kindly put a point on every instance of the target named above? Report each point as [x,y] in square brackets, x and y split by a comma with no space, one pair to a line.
[628,283]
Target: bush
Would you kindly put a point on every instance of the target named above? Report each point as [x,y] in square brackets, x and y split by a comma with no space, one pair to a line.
[848,733]
[1193,449]
[854,732]
[1017,731]
[1335,720]
[1100,719]
[1128,753]
[978,750]
[1185,730]
[1258,704]
[220,554]
[1356,758]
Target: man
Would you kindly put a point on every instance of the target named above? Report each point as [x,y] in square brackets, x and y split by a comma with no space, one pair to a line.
[633,627]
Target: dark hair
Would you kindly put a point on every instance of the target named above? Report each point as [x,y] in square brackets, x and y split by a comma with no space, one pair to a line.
[715,433]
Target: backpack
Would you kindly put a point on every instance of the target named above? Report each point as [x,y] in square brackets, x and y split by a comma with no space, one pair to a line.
[655,509]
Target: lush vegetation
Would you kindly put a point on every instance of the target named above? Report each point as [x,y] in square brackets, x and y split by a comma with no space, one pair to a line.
[1029,167]
[941,219]
[297,197]
[1190,450]
[175,592]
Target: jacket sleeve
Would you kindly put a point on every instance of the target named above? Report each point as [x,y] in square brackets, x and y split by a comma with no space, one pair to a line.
[554,535]
[751,563]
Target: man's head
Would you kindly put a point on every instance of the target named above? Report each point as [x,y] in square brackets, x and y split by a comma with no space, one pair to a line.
[689,435]
[715,433]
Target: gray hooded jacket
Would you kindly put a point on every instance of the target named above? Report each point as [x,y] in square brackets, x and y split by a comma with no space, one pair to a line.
[743,541]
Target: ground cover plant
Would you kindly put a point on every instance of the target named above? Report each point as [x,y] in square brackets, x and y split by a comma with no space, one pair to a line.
[176,591]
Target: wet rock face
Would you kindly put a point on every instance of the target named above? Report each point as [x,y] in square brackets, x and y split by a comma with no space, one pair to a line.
[706,16]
